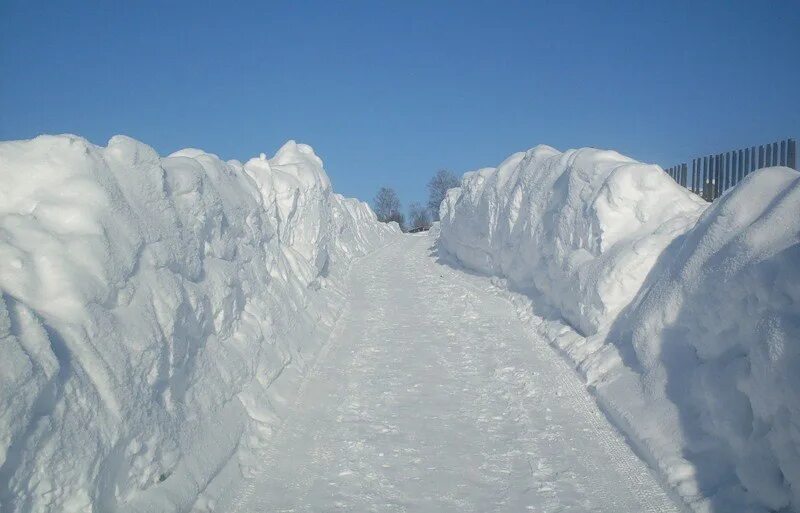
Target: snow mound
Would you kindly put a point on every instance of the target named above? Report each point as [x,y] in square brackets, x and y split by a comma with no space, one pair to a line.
[717,334]
[581,228]
[157,313]
[684,319]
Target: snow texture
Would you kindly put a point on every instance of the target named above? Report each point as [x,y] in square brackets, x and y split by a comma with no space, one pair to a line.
[434,397]
[684,318]
[157,314]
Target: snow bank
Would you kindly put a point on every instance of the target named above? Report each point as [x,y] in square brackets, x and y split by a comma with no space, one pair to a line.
[685,320]
[157,313]
[581,228]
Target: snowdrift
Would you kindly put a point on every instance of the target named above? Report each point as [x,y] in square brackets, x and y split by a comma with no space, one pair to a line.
[157,314]
[582,228]
[684,318]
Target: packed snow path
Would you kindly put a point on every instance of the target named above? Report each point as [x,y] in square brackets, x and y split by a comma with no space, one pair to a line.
[433,397]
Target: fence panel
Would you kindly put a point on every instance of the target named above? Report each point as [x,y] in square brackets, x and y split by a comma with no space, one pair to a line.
[712,175]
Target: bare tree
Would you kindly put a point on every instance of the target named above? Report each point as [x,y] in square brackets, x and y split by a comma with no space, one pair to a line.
[437,190]
[387,207]
[419,217]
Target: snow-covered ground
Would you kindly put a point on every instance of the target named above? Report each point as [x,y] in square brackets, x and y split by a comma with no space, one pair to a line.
[684,319]
[434,397]
[157,314]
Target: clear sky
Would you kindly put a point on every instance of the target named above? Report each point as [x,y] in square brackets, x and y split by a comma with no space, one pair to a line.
[389,92]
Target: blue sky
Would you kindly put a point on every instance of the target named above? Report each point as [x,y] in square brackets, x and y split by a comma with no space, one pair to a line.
[389,92]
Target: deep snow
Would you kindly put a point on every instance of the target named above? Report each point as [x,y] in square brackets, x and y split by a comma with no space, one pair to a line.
[684,319]
[157,314]
[160,315]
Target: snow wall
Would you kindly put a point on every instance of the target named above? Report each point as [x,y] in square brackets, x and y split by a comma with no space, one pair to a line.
[157,314]
[683,317]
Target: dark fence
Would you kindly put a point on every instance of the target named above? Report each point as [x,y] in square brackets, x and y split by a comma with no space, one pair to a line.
[712,175]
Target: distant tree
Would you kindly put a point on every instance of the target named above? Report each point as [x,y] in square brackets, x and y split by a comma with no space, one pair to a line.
[437,190]
[387,207]
[400,219]
[418,216]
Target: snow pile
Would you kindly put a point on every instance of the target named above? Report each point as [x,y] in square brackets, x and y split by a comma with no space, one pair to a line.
[157,313]
[684,320]
[581,228]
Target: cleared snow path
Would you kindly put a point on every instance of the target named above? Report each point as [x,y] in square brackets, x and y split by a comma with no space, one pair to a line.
[433,397]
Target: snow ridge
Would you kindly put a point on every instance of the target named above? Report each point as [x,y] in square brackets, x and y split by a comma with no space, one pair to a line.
[157,314]
[683,318]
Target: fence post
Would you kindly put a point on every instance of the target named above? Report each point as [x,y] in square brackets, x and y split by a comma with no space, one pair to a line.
[696,175]
[774,154]
[783,153]
[791,154]
[741,164]
[710,178]
[731,168]
[752,160]
[727,183]
[714,171]
[760,156]
[723,173]
[703,177]
[734,168]
[746,161]
[685,173]
[715,178]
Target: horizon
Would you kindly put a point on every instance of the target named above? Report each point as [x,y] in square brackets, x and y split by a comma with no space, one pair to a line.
[388,95]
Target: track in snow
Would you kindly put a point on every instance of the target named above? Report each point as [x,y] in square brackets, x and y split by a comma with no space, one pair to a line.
[432,397]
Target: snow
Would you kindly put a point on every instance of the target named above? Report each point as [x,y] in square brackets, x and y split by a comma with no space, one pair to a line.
[183,333]
[433,396]
[582,227]
[158,314]
[684,319]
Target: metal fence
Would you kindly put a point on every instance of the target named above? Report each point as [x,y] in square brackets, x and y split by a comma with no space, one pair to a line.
[710,176]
